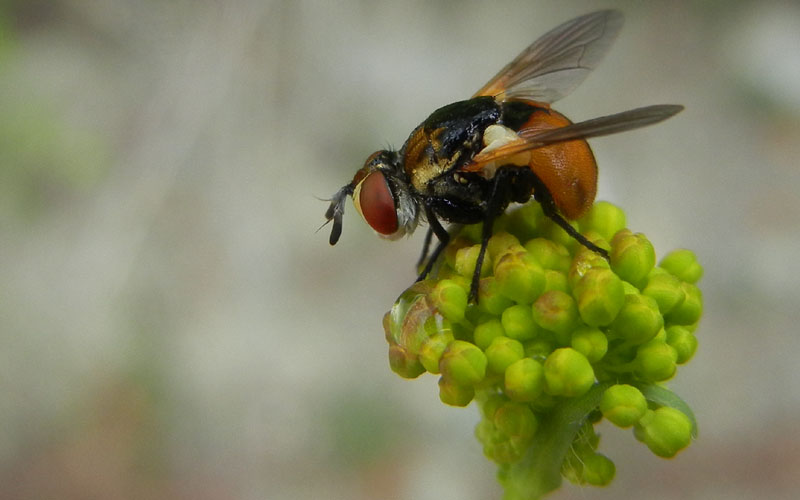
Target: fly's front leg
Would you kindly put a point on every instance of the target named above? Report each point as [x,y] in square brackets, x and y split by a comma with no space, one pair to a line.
[425,247]
[444,239]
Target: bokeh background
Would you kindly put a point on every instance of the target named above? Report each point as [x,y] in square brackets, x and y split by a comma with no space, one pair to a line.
[172,326]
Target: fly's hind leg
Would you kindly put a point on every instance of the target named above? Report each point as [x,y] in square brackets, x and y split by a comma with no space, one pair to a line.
[544,198]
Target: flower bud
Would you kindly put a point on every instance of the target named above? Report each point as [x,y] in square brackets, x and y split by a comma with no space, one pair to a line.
[516,420]
[549,254]
[432,349]
[666,431]
[453,247]
[591,342]
[467,259]
[524,380]
[683,264]
[487,331]
[404,325]
[597,470]
[632,257]
[656,361]
[502,352]
[459,280]
[638,321]
[450,299]
[500,242]
[505,451]
[518,322]
[489,403]
[583,261]
[404,364]
[604,218]
[472,232]
[463,363]
[556,312]
[683,341]
[412,320]
[454,394]
[629,289]
[556,233]
[519,277]
[568,373]
[490,299]
[623,405]
[665,289]
[506,429]
[599,295]
[485,430]
[555,280]
[526,222]
[689,311]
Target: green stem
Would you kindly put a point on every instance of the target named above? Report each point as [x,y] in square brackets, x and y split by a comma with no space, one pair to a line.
[539,472]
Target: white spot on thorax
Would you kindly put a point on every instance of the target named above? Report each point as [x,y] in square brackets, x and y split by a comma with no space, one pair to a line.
[494,137]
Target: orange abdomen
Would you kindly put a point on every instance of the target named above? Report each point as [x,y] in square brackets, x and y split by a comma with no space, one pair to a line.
[567,169]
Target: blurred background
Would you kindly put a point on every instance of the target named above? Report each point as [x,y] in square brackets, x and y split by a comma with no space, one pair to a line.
[172,326]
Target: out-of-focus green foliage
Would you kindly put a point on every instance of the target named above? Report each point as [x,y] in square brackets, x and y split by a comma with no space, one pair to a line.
[46,157]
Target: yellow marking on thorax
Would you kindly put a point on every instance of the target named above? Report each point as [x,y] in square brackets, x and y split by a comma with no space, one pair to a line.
[420,165]
[427,169]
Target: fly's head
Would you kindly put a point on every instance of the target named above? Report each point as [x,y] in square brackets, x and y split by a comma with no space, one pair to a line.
[381,195]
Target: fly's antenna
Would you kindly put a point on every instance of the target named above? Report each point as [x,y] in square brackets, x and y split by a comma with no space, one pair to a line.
[336,211]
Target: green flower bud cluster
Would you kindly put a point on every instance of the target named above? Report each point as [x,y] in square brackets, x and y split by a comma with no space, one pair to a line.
[560,338]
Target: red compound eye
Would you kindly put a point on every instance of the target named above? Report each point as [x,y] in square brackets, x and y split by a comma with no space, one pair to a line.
[375,203]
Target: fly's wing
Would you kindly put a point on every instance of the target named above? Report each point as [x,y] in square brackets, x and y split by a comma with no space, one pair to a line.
[596,127]
[555,64]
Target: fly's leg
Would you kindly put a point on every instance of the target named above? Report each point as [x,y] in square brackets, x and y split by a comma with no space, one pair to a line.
[425,247]
[498,200]
[476,275]
[544,198]
[556,217]
[444,238]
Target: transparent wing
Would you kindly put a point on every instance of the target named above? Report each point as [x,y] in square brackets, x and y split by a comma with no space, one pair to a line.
[555,64]
[604,125]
